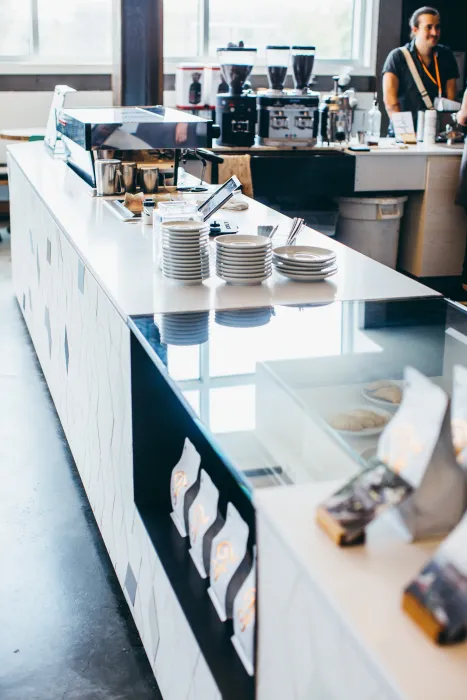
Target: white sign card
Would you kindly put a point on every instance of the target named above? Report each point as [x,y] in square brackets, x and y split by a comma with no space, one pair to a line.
[227,553]
[404,129]
[244,620]
[184,476]
[408,441]
[58,102]
[202,514]
[459,414]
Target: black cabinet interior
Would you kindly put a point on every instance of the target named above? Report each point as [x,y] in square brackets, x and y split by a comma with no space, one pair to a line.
[161,422]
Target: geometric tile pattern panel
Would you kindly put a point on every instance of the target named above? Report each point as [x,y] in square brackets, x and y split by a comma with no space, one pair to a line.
[83,346]
[305,648]
[131,584]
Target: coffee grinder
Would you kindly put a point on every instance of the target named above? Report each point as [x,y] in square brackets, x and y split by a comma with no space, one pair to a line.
[289,116]
[236,110]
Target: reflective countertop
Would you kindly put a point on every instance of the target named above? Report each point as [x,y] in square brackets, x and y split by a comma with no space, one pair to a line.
[265,382]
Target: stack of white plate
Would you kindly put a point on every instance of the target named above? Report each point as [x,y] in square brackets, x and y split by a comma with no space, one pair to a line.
[184,328]
[243,259]
[303,263]
[244,318]
[185,251]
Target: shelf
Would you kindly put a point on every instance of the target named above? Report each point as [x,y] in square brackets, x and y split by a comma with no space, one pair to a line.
[212,635]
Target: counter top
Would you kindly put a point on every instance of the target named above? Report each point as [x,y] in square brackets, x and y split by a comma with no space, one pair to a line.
[364,585]
[120,255]
[386,147]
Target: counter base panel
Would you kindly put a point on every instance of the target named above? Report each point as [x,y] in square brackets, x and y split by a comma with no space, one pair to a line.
[83,346]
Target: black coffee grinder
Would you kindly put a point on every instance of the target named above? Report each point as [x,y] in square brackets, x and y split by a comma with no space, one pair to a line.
[289,116]
[236,110]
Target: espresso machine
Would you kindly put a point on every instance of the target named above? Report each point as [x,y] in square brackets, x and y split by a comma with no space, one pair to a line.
[289,116]
[336,114]
[124,139]
[236,110]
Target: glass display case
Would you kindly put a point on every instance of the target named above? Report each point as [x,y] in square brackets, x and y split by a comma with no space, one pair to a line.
[270,397]
[271,384]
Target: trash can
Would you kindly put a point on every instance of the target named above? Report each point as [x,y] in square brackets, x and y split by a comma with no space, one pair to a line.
[371,225]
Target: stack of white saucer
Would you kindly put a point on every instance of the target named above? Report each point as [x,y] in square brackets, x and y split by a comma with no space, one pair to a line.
[190,328]
[185,251]
[244,318]
[243,259]
[303,263]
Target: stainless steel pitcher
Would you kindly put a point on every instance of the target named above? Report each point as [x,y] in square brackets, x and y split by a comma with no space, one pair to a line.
[108,177]
[149,178]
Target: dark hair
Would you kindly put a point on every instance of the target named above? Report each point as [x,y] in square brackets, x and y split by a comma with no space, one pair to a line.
[415,19]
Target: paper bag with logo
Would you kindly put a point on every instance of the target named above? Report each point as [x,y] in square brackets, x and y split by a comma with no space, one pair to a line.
[414,476]
[184,486]
[202,515]
[228,562]
[417,445]
[244,620]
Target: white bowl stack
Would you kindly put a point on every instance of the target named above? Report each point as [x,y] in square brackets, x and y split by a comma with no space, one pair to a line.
[243,259]
[303,263]
[185,251]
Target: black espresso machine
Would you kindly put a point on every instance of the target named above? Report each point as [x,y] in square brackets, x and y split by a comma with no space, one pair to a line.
[236,110]
[142,134]
[289,116]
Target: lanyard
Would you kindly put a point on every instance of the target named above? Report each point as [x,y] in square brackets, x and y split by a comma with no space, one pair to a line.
[438,79]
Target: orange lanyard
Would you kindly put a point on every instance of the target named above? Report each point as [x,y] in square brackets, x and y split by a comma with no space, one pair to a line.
[438,78]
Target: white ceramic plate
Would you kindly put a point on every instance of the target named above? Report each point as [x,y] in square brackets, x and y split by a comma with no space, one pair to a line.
[243,241]
[182,227]
[185,262]
[291,265]
[306,273]
[247,260]
[367,394]
[304,253]
[185,275]
[244,268]
[185,242]
[244,281]
[368,432]
[244,273]
[306,278]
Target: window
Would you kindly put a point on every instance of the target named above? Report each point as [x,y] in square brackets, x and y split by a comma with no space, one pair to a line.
[56,31]
[343,31]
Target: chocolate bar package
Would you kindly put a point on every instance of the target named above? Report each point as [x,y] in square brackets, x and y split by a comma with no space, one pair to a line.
[437,598]
[345,515]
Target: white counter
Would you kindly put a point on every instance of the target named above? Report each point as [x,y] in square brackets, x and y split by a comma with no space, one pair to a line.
[78,273]
[120,255]
[343,606]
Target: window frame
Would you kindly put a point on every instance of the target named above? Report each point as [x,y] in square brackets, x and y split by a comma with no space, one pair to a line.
[32,62]
[365,38]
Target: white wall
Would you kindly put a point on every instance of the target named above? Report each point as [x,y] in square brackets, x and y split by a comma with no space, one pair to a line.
[30,109]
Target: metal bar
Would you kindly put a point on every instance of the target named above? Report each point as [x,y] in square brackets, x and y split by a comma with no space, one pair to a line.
[205,27]
[35,27]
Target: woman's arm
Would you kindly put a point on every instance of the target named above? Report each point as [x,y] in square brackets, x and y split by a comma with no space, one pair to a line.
[391,93]
[451,89]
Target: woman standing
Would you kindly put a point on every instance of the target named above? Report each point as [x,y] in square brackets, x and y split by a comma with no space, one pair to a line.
[416,74]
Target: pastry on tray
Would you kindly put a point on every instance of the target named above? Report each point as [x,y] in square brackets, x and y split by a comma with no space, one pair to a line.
[385,391]
[357,420]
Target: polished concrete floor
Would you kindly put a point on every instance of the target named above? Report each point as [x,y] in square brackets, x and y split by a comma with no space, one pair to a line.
[66,632]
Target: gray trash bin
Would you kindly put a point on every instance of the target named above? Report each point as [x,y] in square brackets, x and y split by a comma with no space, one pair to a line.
[371,225]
